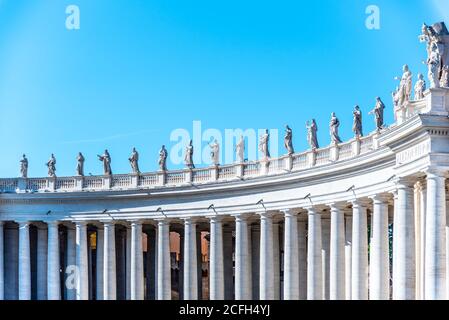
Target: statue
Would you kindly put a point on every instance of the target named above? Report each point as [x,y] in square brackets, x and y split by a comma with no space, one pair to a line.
[240,150]
[263,145]
[134,161]
[106,159]
[378,112]
[215,152]
[51,164]
[80,164]
[405,86]
[444,81]
[357,123]
[188,157]
[24,167]
[420,87]
[395,96]
[311,134]
[288,143]
[163,158]
[333,128]
[434,66]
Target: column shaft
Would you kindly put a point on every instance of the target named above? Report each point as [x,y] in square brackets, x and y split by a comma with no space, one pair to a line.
[137,290]
[216,260]
[242,283]
[70,281]
[53,275]
[163,261]
[291,258]
[24,262]
[314,257]
[266,265]
[109,263]
[82,283]
[337,254]
[348,257]
[190,261]
[100,264]
[359,290]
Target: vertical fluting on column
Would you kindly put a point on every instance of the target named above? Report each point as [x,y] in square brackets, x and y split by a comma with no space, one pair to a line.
[435,251]
[24,262]
[291,258]
[163,262]
[337,253]
[100,263]
[190,260]
[276,262]
[404,236]
[348,257]
[379,264]
[302,258]
[325,251]
[42,281]
[242,283]
[2,261]
[359,290]
[266,284]
[70,282]
[228,263]
[53,275]
[216,280]
[137,291]
[314,257]
[109,262]
[82,283]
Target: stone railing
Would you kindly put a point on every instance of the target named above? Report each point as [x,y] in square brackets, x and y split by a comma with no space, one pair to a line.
[237,171]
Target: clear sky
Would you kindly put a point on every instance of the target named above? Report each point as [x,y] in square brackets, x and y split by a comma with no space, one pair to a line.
[137,70]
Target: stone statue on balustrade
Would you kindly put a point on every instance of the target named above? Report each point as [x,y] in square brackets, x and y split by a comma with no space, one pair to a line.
[263,145]
[434,67]
[420,87]
[51,164]
[188,157]
[134,161]
[312,139]
[215,152]
[288,140]
[240,150]
[357,122]
[80,164]
[163,159]
[106,159]
[405,86]
[333,129]
[444,81]
[24,167]
[378,112]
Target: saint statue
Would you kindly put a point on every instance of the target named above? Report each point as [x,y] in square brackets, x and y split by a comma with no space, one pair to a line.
[434,66]
[106,159]
[24,167]
[263,145]
[420,87]
[163,158]
[378,112]
[357,125]
[405,86]
[80,164]
[188,157]
[312,139]
[333,129]
[51,164]
[444,81]
[215,152]
[134,161]
[288,143]
[240,150]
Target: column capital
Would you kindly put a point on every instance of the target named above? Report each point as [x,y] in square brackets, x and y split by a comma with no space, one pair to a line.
[290,212]
[436,172]
[380,198]
[360,203]
[337,205]
[241,216]
[404,182]
[135,222]
[80,223]
[215,218]
[190,220]
[23,223]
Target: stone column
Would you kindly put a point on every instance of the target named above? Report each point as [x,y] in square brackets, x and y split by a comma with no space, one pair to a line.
[380,263]
[190,261]
[100,263]
[24,262]
[43,242]
[53,268]
[2,262]
[325,251]
[242,283]
[163,261]
[314,257]
[82,286]
[216,275]
[359,290]
[291,257]
[136,271]
[70,282]
[337,253]
[302,258]
[348,257]
[228,263]
[266,284]
[276,262]
[435,251]
[109,262]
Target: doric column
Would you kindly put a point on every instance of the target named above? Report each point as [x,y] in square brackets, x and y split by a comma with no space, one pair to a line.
[100,263]
[109,262]
[348,257]
[314,257]
[137,291]
[42,262]
[325,251]
[163,261]
[53,275]
[302,258]
[291,259]
[82,285]
[2,261]
[190,261]
[24,262]
[266,284]
[70,282]
[242,281]
[379,281]
[337,253]
[216,265]
[435,251]
[359,252]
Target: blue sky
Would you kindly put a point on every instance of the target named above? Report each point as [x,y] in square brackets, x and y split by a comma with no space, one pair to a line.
[137,70]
